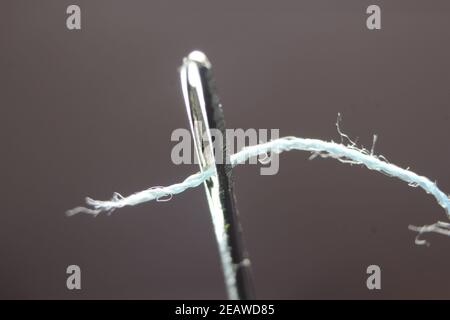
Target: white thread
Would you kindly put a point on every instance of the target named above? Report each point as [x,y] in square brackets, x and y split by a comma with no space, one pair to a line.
[344,153]
[438,227]
[164,198]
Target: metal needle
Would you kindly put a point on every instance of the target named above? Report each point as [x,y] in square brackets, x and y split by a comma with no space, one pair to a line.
[206,119]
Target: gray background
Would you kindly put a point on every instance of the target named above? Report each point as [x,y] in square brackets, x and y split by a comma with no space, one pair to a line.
[91,112]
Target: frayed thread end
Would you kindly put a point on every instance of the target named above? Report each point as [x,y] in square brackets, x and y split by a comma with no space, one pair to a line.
[93,212]
[438,227]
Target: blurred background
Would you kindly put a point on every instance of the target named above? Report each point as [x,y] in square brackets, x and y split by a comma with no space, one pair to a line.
[90,112]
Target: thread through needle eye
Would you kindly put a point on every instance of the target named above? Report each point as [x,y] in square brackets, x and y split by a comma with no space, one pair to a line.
[205,115]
